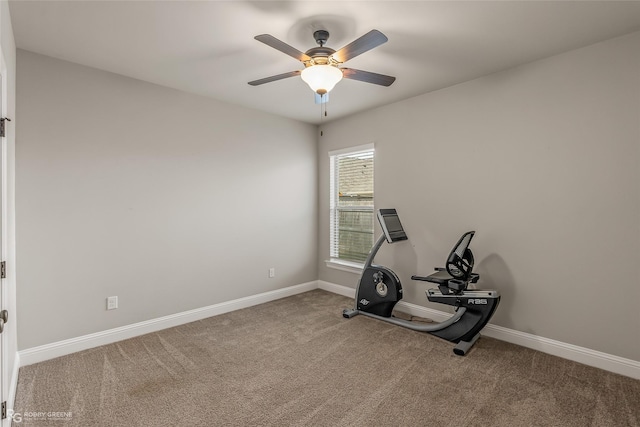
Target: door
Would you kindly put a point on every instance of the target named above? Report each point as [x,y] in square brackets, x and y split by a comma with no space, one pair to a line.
[5,376]
[4,386]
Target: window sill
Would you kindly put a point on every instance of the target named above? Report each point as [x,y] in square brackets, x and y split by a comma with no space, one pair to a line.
[349,266]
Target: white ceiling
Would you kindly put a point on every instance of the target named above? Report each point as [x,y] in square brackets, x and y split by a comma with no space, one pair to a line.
[207,47]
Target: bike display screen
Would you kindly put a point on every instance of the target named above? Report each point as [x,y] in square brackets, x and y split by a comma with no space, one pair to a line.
[391,225]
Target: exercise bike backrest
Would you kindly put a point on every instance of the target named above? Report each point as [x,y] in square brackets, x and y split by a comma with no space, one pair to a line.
[458,273]
[460,261]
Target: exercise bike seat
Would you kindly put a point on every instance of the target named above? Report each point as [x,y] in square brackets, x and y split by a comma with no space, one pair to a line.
[440,277]
[446,282]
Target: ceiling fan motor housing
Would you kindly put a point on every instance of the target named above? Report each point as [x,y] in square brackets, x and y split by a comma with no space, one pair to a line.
[320,56]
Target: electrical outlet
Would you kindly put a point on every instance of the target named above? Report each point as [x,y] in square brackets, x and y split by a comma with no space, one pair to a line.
[112,303]
[272,272]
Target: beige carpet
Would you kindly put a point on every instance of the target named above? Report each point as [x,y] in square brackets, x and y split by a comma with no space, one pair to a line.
[298,362]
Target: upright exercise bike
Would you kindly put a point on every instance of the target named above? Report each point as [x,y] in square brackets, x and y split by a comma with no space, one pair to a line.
[379,290]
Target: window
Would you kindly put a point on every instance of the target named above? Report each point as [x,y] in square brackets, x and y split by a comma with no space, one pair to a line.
[351,203]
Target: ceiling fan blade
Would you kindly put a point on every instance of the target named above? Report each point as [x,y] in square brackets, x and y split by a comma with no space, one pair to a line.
[269,40]
[367,76]
[367,42]
[275,78]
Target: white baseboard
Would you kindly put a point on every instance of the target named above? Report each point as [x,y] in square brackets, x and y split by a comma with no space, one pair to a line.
[337,289]
[61,348]
[13,384]
[608,362]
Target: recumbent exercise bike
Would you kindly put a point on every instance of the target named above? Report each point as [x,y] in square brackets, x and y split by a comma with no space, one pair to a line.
[379,290]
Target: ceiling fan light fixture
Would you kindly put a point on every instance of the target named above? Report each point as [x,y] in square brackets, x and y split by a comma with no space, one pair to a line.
[321,78]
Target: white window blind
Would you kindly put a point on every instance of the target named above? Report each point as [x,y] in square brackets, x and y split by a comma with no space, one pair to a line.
[351,204]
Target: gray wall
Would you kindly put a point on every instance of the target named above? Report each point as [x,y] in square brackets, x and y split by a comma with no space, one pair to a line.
[543,161]
[168,200]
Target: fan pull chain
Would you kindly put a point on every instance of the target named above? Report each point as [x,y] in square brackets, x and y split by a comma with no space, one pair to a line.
[323,107]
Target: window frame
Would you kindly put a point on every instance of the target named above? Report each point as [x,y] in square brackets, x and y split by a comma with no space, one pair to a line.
[333,261]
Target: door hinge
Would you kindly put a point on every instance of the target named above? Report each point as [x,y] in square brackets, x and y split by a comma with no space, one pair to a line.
[3,270]
[2,126]
[4,409]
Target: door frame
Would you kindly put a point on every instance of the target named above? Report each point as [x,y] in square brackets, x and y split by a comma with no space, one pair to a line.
[6,373]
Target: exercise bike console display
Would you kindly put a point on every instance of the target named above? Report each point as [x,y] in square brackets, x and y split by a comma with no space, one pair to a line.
[379,290]
[391,226]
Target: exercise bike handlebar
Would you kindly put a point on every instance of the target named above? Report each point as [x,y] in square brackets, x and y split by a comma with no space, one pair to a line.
[392,232]
[374,250]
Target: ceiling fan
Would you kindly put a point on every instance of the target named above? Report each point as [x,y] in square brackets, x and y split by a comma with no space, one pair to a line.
[322,64]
